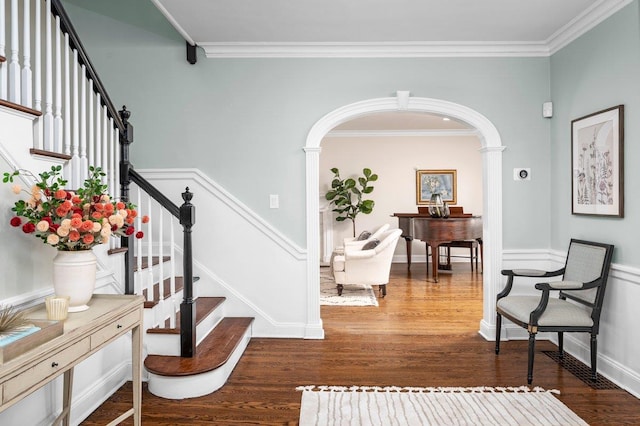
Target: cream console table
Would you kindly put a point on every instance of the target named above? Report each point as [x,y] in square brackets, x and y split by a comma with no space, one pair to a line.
[108,317]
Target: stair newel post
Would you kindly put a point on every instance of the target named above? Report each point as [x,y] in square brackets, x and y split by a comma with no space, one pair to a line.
[126,138]
[187,307]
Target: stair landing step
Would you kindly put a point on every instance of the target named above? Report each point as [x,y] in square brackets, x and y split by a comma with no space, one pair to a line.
[213,352]
[204,305]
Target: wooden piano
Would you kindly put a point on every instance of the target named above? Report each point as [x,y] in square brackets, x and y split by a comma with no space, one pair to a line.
[436,231]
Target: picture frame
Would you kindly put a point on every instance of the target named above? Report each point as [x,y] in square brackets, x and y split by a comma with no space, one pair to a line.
[429,182]
[597,163]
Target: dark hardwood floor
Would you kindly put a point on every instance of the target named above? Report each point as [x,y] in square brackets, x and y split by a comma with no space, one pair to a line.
[422,334]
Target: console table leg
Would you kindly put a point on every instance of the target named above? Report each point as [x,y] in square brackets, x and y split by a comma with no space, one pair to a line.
[67,390]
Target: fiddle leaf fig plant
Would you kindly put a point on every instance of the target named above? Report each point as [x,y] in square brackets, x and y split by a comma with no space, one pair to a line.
[347,195]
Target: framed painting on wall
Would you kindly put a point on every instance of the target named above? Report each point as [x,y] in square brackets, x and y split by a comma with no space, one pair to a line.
[430,182]
[597,163]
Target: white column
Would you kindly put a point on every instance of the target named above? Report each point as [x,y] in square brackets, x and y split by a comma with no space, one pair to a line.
[26,56]
[314,322]
[91,131]
[492,230]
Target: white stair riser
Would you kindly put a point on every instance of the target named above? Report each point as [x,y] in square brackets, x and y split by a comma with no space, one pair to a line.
[197,385]
[169,344]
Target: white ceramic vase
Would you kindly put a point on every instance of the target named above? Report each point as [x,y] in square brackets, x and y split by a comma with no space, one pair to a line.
[74,275]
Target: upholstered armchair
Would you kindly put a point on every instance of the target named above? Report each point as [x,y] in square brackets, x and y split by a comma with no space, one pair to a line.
[577,307]
[369,264]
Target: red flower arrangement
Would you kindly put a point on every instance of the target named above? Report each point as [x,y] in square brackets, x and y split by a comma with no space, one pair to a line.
[69,220]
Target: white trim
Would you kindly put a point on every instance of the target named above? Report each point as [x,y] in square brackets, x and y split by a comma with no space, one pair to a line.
[595,14]
[491,150]
[401,133]
[372,50]
[173,21]
[236,205]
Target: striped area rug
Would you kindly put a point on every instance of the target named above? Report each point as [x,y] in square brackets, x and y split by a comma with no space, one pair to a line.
[358,405]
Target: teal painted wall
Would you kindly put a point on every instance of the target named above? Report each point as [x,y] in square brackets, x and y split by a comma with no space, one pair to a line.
[598,71]
[244,122]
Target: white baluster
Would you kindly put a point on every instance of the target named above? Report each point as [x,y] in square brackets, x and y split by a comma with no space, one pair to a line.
[3,41]
[175,305]
[139,277]
[104,142]
[37,60]
[75,133]
[91,135]
[83,165]
[149,245]
[160,217]
[112,158]
[57,101]
[26,56]
[48,86]
[144,285]
[96,146]
[14,64]
[37,71]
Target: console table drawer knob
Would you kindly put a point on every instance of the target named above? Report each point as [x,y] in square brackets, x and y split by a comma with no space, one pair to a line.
[119,326]
[54,364]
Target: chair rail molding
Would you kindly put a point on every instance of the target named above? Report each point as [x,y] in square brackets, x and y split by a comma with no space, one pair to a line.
[491,150]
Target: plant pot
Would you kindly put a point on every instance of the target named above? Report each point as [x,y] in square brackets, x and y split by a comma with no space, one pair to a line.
[74,275]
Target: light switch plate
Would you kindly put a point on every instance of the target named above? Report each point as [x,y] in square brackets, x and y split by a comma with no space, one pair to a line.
[274,201]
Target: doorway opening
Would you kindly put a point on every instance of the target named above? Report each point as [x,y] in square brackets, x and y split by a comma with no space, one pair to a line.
[491,152]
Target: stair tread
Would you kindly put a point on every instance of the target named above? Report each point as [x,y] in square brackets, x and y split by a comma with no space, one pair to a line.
[213,352]
[166,291]
[204,305]
[144,263]
[21,108]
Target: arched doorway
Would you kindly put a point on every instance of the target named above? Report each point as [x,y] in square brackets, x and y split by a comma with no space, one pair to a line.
[491,149]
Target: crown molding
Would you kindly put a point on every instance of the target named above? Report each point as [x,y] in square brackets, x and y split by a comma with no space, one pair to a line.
[400,133]
[595,14]
[373,50]
[591,17]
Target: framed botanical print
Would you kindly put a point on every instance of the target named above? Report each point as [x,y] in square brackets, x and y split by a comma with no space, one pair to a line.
[597,163]
[430,182]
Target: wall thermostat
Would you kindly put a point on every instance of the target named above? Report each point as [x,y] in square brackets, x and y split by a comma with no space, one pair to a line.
[521,173]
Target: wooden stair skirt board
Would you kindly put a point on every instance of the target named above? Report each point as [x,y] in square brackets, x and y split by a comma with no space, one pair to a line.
[166,341]
[174,377]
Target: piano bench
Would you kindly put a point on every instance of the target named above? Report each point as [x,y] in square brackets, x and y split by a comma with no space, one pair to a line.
[472,245]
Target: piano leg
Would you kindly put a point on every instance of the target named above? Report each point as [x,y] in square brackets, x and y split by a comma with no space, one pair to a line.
[408,240]
[435,258]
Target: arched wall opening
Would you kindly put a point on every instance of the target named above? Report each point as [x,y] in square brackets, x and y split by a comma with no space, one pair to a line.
[491,150]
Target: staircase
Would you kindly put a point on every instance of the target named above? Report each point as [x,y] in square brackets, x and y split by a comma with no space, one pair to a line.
[192,344]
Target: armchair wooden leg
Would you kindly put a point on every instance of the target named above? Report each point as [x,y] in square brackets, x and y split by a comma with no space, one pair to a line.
[498,330]
[383,288]
[340,287]
[532,347]
[594,357]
